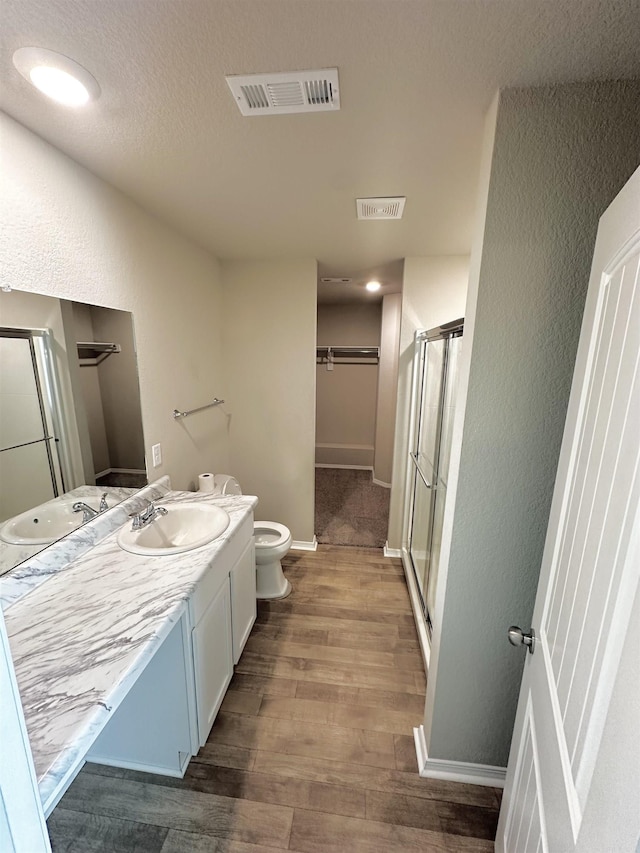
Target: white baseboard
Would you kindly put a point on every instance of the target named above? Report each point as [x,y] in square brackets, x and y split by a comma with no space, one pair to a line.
[305,546]
[391,552]
[347,467]
[106,471]
[184,758]
[381,483]
[344,455]
[455,771]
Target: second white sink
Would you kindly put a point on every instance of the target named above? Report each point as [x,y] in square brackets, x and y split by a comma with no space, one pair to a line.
[185,526]
[42,525]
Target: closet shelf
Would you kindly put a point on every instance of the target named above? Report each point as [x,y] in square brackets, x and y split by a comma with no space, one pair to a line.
[91,353]
[347,355]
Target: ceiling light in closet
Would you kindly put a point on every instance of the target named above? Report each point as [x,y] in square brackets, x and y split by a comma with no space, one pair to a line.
[56,76]
[373,286]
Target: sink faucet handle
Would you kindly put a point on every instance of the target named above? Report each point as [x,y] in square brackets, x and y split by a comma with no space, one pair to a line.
[103,503]
[143,516]
[148,511]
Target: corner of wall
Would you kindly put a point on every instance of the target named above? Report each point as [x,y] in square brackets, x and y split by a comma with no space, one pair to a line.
[475,262]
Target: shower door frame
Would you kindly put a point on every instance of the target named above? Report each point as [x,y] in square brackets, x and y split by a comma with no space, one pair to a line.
[47,383]
[422,338]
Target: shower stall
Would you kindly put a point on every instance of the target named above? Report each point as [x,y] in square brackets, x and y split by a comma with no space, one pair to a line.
[435,369]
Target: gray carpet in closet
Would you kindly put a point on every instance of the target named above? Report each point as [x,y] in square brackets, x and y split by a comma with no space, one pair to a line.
[350,508]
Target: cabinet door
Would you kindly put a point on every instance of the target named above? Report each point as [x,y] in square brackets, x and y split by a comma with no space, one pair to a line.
[212,658]
[243,599]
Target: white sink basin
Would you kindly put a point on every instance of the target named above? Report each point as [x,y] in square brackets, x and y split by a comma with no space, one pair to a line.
[185,526]
[42,525]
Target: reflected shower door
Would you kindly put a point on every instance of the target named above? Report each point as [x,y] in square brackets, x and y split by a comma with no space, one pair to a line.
[29,467]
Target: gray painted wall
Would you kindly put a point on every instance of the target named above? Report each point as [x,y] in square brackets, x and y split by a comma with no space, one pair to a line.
[560,156]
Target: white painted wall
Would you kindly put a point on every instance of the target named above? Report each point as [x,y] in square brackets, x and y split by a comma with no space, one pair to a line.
[355,324]
[269,336]
[387,387]
[434,290]
[65,233]
[120,390]
[557,156]
[89,397]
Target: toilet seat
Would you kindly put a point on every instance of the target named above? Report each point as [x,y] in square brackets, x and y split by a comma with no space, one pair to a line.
[272,541]
[270,534]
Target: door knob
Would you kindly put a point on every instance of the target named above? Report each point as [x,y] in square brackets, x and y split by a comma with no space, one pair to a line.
[517,637]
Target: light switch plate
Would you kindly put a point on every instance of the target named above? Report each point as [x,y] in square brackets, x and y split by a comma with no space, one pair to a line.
[156,455]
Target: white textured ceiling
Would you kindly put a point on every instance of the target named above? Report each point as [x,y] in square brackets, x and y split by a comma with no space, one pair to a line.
[416,79]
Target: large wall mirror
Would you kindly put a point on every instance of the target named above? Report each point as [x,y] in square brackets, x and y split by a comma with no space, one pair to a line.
[70,413]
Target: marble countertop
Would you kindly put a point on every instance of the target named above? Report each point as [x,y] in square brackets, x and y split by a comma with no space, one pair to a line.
[80,640]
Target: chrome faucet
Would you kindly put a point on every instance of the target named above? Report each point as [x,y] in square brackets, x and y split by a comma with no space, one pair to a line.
[88,512]
[146,516]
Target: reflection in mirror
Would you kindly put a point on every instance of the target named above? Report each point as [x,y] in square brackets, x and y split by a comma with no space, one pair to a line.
[70,417]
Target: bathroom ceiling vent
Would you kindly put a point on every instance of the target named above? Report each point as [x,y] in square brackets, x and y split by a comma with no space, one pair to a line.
[281,93]
[380,208]
[331,280]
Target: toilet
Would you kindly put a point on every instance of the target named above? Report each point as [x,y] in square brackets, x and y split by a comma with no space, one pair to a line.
[272,542]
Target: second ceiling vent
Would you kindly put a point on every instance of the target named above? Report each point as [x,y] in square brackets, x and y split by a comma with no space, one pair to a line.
[280,93]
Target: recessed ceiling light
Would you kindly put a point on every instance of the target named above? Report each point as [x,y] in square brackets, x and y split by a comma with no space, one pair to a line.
[56,76]
[373,286]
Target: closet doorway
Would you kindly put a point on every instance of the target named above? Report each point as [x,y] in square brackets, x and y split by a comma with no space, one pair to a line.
[356,386]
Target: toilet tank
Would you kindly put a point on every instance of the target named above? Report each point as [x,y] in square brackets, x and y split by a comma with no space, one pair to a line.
[225,484]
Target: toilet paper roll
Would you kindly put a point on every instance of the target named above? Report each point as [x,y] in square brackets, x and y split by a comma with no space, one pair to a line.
[205,483]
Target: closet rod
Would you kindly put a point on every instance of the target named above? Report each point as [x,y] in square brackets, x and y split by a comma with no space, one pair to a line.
[347,352]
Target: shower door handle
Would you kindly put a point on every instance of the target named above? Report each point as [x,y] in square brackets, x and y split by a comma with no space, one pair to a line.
[414,457]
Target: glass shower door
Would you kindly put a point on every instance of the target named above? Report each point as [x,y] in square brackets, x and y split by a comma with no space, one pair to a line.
[435,365]
[425,458]
[444,456]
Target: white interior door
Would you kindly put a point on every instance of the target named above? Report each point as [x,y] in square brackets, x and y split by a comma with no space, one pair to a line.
[22,824]
[591,562]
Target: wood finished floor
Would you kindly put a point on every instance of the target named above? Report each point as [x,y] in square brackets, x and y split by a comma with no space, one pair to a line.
[312,750]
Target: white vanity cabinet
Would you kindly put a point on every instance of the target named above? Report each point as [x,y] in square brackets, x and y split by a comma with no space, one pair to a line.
[243,598]
[223,610]
[170,709]
[212,657]
[152,729]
